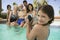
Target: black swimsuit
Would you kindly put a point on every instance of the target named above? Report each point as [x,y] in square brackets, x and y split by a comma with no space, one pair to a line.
[13,17]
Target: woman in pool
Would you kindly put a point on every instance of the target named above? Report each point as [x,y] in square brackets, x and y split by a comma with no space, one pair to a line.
[32,13]
[40,31]
[30,9]
[8,11]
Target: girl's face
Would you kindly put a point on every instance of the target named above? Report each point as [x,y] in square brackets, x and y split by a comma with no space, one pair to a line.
[15,7]
[9,8]
[30,7]
[43,18]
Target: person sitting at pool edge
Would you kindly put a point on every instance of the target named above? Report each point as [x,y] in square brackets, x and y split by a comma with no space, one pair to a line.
[13,17]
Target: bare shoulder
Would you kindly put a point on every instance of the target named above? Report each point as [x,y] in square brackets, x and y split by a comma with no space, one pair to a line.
[37,25]
[11,12]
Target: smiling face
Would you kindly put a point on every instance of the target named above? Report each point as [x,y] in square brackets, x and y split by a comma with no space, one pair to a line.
[8,7]
[30,7]
[43,17]
[25,3]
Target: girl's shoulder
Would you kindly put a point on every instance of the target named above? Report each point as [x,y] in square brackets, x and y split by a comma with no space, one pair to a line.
[37,26]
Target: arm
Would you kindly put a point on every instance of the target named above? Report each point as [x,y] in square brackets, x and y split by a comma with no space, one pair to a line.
[31,33]
[9,19]
[8,12]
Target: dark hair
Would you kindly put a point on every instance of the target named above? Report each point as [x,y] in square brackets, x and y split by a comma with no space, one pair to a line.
[28,10]
[24,1]
[8,6]
[48,9]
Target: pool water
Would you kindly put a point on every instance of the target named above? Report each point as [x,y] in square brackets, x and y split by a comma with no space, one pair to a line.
[19,33]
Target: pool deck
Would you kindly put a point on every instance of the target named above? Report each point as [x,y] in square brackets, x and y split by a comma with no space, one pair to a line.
[56,21]
[3,21]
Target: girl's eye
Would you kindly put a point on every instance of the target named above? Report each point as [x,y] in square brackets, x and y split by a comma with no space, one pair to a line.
[43,16]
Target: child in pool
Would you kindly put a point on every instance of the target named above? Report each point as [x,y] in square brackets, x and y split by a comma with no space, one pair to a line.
[41,31]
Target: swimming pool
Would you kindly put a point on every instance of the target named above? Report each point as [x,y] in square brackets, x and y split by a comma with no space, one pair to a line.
[18,33]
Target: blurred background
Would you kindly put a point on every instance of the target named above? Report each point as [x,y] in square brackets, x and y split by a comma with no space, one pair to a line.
[54,3]
[11,34]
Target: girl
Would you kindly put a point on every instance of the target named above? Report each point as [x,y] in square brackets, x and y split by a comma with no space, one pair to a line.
[40,31]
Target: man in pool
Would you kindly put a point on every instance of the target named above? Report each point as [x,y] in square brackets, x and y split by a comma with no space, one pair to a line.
[40,31]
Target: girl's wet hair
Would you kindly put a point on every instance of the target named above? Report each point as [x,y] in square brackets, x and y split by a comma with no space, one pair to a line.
[48,9]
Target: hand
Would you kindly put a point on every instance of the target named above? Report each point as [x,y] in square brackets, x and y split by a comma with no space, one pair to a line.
[22,24]
[27,21]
